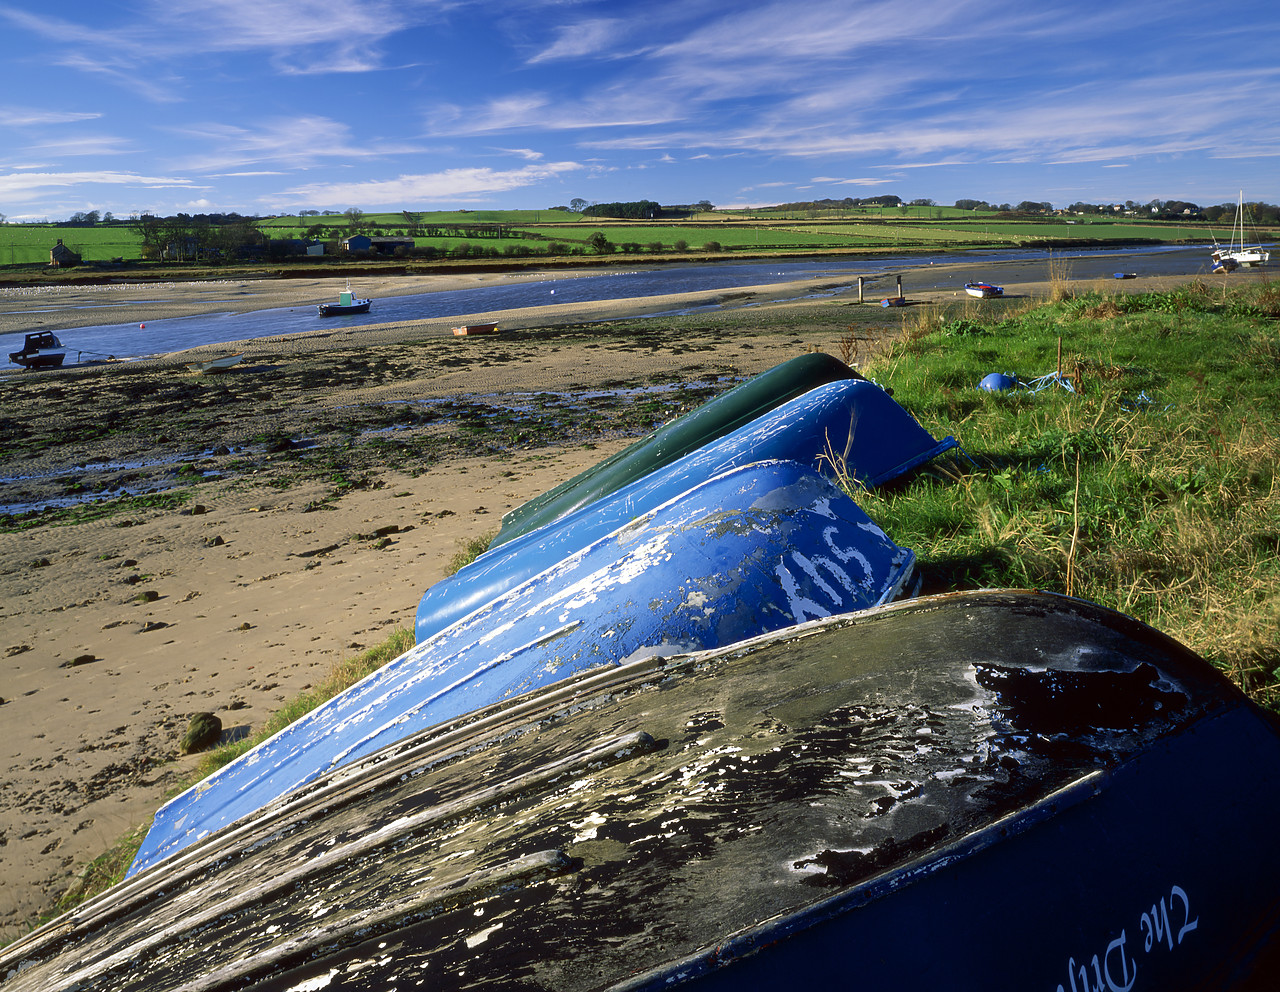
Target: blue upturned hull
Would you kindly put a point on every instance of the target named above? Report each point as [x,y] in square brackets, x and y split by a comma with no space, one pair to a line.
[977,791]
[762,547]
[853,421]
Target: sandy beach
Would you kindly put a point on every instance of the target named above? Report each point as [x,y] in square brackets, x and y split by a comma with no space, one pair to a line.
[330,477]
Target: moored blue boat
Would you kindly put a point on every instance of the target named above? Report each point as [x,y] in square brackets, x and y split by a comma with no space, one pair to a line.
[348,303]
[761,547]
[849,425]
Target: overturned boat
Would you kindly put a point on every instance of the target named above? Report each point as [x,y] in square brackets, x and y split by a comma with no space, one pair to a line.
[704,425]
[214,365]
[848,428]
[762,547]
[1004,788]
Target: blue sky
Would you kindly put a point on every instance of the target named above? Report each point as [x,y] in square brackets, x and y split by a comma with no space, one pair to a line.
[274,106]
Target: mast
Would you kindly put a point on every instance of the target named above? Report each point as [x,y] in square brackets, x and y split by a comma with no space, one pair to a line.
[1240,220]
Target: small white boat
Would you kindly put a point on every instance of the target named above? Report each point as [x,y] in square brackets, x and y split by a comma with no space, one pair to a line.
[220,364]
[983,290]
[347,303]
[41,350]
[1237,253]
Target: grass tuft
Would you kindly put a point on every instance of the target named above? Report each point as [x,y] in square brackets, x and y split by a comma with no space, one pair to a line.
[469,551]
[342,676]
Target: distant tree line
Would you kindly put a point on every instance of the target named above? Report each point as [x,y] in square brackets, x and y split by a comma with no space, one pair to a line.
[1183,210]
[89,219]
[848,203]
[189,237]
[640,209]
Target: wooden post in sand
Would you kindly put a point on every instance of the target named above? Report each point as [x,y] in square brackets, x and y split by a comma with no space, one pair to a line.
[859,289]
[899,287]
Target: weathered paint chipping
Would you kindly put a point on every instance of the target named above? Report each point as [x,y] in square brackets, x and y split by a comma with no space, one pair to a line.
[753,547]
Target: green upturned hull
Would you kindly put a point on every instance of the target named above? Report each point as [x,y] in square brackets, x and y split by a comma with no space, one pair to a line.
[712,420]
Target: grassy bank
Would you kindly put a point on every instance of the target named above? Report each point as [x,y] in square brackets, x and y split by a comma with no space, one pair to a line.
[1149,486]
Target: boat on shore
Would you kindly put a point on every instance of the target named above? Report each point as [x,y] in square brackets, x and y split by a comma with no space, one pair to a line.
[702,426]
[347,303]
[983,290]
[848,428]
[1237,253]
[764,546]
[470,329]
[929,793]
[41,350]
[219,364]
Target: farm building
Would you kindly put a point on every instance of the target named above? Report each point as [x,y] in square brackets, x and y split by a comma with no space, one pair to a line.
[382,245]
[60,256]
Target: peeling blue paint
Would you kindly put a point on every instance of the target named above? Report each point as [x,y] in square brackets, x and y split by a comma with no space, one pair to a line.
[756,549]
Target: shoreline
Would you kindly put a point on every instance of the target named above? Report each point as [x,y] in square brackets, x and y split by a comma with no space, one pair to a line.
[118,628]
[67,307]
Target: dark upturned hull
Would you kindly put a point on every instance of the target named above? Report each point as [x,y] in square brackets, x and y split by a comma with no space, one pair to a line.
[973,791]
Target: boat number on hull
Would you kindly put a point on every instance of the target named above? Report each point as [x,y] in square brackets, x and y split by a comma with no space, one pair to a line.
[1163,926]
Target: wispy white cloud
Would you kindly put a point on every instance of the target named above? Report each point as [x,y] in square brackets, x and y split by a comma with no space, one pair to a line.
[450,184]
[18,185]
[80,145]
[584,39]
[299,141]
[151,52]
[542,112]
[865,181]
[29,116]
[525,153]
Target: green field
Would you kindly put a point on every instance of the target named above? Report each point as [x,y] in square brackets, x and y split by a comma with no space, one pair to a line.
[29,244]
[552,233]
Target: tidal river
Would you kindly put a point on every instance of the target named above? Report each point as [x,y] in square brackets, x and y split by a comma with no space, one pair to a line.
[163,336]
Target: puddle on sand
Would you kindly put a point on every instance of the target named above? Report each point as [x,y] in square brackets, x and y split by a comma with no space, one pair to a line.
[70,476]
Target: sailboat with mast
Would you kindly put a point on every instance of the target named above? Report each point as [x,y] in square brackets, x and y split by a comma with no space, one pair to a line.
[1237,253]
